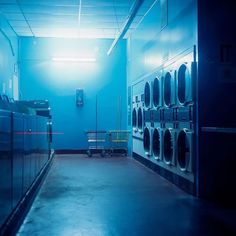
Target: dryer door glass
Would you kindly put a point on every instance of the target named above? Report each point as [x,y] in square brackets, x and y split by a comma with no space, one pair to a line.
[183,76]
[156,143]
[167,89]
[147,95]
[134,118]
[168,146]
[183,150]
[140,119]
[146,140]
[156,92]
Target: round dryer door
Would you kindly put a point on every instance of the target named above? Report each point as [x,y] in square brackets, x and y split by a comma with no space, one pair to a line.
[183,79]
[134,118]
[167,89]
[140,119]
[146,140]
[168,146]
[183,150]
[156,92]
[147,95]
[156,142]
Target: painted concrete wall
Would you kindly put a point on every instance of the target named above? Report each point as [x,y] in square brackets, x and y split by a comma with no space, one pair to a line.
[8,58]
[105,79]
[164,33]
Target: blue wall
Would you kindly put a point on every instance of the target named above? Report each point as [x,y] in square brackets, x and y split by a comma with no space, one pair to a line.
[161,37]
[42,78]
[8,57]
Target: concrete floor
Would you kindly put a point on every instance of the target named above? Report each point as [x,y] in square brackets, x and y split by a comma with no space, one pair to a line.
[117,197]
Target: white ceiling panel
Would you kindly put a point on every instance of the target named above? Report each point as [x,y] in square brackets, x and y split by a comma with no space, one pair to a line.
[18,23]
[55,10]
[14,16]
[49,2]
[66,18]
[9,8]
[47,17]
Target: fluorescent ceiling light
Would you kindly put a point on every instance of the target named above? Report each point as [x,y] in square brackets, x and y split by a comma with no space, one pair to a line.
[74,59]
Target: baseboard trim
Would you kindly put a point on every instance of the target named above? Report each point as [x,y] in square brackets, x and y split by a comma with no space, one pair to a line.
[177,180]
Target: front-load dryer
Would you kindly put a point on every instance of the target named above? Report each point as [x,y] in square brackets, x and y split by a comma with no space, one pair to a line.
[157,92]
[140,120]
[134,120]
[147,140]
[185,71]
[148,95]
[169,146]
[157,143]
[169,90]
[184,153]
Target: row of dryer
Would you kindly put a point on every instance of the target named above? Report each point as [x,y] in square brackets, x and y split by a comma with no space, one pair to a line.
[172,86]
[168,144]
[163,118]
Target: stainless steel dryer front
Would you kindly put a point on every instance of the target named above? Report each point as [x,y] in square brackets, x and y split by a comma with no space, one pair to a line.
[148,94]
[147,140]
[169,87]
[169,145]
[185,71]
[157,143]
[185,150]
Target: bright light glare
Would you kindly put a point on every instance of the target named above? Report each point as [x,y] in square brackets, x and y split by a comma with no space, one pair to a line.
[74,59]
[153,61]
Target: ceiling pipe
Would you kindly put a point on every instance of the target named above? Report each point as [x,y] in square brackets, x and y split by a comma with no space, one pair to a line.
[127,24]
[23,14]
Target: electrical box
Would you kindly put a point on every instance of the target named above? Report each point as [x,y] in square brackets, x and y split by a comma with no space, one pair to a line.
[79,97]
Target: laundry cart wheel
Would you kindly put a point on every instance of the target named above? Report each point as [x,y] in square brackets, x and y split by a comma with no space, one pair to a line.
[103,153]
[89,153]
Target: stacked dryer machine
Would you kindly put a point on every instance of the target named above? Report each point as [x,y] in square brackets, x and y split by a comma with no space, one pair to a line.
[185,72]
[134,117]
[168,113]
[157,140]
[137,116]
[148,127]
[163,120]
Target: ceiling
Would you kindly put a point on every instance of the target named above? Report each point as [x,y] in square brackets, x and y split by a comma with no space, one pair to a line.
[70,18]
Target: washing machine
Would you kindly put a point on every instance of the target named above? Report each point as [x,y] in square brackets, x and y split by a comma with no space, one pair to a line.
[148,93]
[169,144]
[185,150]
[185,68]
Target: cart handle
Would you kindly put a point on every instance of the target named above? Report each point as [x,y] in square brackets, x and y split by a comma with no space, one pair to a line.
[95,131]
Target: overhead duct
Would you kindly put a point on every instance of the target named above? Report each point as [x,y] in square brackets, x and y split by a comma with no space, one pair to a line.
[127,24]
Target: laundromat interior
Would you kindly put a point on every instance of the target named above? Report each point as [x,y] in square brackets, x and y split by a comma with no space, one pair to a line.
[117,117]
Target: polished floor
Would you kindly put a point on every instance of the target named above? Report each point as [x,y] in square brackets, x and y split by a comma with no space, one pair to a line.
[117,197]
